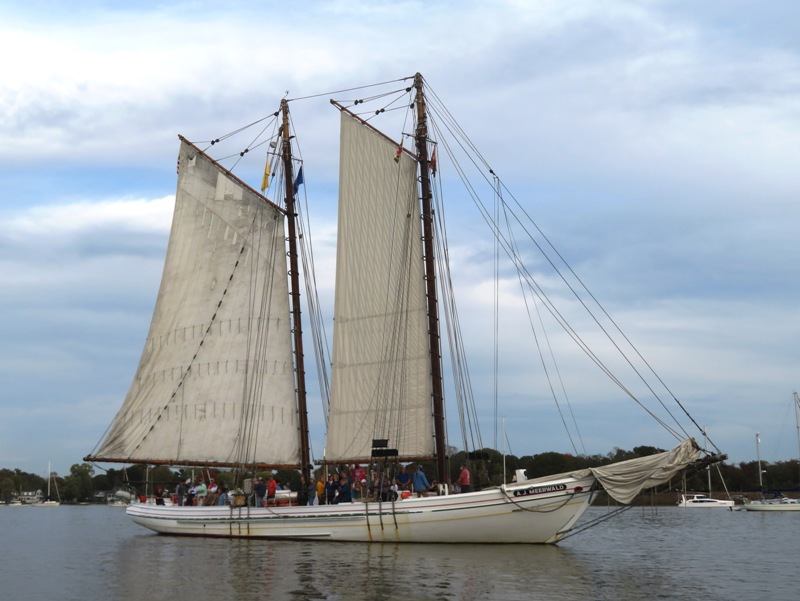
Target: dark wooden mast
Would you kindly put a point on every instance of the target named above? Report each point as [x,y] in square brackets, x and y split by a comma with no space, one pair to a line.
[294,290]
[421,136]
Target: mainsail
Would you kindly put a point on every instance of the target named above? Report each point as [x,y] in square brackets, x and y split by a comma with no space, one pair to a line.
[215,384]
[380,376]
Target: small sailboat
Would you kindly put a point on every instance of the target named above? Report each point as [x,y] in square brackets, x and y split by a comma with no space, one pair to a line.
[49,501]
[221,381]
[703,501]
[777,502]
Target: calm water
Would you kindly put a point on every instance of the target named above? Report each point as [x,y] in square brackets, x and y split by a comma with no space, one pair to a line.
[94,552]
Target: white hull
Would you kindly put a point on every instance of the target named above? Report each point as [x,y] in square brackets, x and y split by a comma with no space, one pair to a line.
[704,502]
[788,505]
[46,504]
[526,512]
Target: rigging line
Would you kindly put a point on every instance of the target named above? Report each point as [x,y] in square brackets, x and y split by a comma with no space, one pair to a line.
[248,417]
[440,109]
[597,521]
[318,330]
[350,89]
[185,375]
[549,304]
[322,350]
[460,367]
[496,299]
[551,307]
[538,345]
[600,306]
[264,320]
[252,146]
[316,321]
[603,329]
[241,153]
[236,131]
[387,388]
[458,138]
[452,330]
[382,111]
[357,101]
[255,363]
[515,246]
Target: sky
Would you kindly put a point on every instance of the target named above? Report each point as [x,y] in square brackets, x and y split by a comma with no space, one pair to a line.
[655,143]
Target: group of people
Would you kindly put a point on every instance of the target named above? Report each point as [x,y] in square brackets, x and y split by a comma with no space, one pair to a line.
[197,493]
[351,484]
[347,485]
[264,491]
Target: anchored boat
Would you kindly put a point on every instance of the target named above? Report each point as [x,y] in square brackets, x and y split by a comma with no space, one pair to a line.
[221,381]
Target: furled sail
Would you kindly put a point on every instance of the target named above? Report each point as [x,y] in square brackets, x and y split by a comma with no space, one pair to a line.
[215,384]
[380,377]
[626,479]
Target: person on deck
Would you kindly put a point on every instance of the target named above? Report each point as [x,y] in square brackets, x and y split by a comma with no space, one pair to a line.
[345,495]
[385,488]
[321,491]
[420,481]
[259,492]
[311,487]
[191,493]
[403,480]
[331,488]
[272,486]
[201,492]
[159,495]
[180,493]
[302,491]
[213,492]
[463,479]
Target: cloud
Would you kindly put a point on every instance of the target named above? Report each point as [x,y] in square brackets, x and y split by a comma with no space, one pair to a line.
[653,142]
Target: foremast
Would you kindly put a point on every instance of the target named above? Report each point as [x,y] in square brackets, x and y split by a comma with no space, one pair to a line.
[294,289]
[421,137]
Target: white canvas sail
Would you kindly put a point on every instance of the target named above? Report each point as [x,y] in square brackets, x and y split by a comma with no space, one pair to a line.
[215,383]
[380,377]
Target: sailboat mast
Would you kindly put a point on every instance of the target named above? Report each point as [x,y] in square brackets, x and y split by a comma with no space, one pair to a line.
[421,136]
[758,458]
[797,422]
[294,289]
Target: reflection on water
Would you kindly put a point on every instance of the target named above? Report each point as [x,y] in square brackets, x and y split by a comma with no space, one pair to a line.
[331,571]
[96,552]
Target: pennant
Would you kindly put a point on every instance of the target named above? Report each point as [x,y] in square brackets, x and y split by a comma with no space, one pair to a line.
[298,180]
[433,161]
[398,153]
[265,179]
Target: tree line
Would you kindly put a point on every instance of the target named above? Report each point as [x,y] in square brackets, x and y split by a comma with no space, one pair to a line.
[489,468]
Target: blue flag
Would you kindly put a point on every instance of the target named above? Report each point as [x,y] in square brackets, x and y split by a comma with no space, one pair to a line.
[298,180]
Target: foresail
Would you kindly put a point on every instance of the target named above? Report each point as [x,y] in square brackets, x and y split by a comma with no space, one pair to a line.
[380,378]
[215,383]
[623,481]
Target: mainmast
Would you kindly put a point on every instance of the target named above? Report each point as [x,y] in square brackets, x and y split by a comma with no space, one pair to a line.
[294,290]
[421,136]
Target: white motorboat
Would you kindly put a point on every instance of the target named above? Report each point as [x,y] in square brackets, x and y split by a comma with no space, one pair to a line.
[703,501]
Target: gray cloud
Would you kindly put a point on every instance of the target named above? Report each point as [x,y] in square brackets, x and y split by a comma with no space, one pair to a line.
[654,143]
